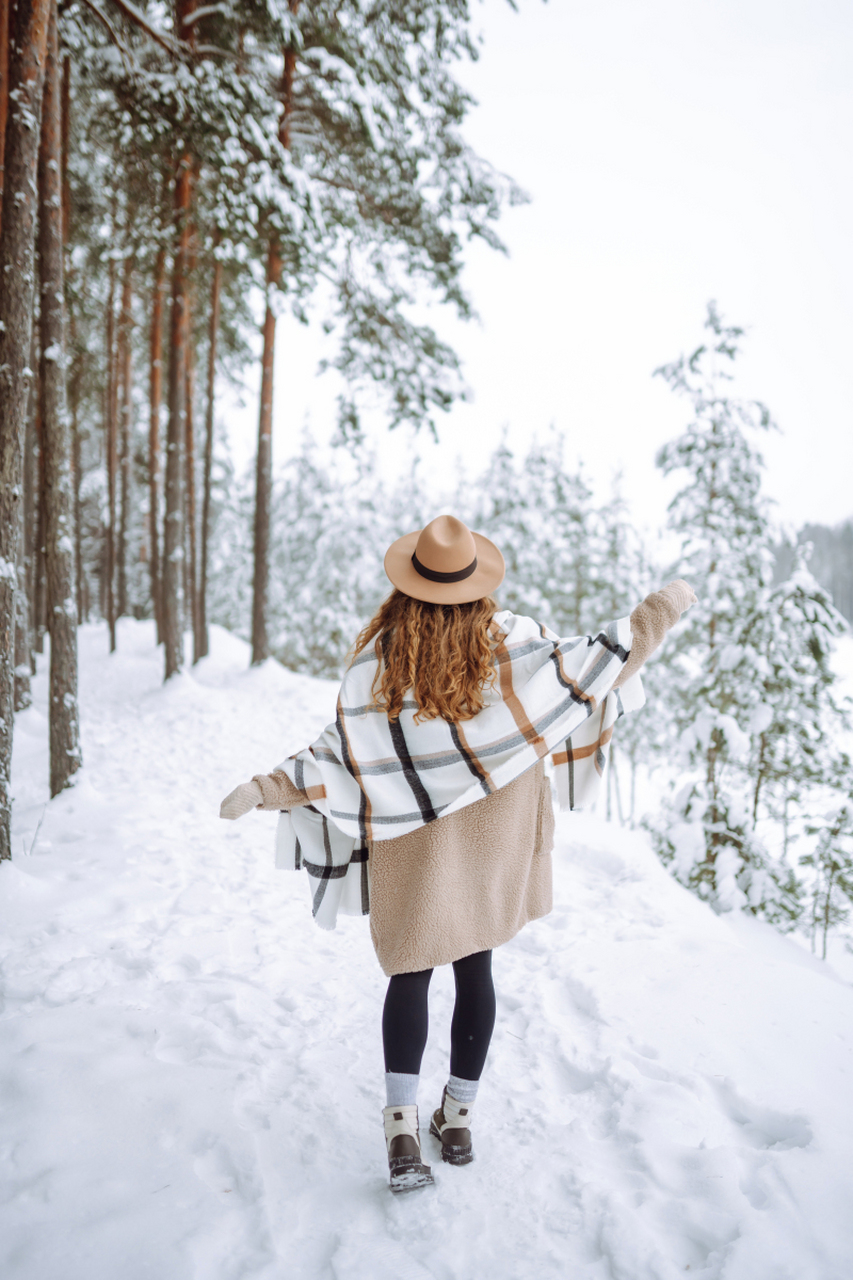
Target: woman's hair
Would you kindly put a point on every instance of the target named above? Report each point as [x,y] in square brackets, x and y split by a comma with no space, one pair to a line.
[439,651]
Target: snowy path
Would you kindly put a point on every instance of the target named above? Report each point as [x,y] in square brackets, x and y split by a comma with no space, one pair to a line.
[191,1071]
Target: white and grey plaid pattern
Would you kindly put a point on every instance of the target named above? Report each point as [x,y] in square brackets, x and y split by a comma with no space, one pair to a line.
[369,778]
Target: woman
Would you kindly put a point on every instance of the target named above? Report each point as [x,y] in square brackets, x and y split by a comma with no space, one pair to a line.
[427,802]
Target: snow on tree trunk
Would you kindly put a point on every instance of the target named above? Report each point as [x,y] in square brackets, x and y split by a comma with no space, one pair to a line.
[31,501]
[23,671]
[28,41]
[204,640]
[65,758]
[155,400]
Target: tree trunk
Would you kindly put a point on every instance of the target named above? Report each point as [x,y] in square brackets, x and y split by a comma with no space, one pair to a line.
[27,45]
[4,89]
[263,482]
[155,399]
[125,374]
[25,658]
[39,604]
[66,133]
[190,549]
[31,503]
[76,465]
[204,646]
[830,885]
[173,540]
[65,756]
[111,459]
[173,550]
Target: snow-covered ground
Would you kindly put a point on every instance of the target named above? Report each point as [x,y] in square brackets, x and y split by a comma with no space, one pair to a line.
[192,1071]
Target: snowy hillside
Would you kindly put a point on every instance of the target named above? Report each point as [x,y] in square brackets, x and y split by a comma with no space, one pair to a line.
[192,1072]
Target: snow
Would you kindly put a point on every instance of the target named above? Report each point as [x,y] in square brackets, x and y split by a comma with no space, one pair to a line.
[192,1071]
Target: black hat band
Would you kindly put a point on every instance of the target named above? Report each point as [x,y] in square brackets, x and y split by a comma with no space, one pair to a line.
[434,576]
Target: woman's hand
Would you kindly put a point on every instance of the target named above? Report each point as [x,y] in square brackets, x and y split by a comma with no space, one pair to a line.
[243,798]
[681,594]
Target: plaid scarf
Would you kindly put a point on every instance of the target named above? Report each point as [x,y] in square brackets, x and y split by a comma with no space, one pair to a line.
[370,778]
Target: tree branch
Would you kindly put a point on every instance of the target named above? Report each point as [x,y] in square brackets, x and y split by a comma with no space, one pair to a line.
[130,11]
[114,35]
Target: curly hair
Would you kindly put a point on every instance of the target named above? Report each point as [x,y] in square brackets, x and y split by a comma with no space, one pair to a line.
[441,652]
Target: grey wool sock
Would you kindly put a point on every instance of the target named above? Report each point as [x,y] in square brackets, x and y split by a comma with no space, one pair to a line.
[401,1090]
[462,1090]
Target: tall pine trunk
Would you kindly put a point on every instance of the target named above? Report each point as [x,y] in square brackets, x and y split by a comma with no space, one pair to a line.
[24,653]
[27,45]
[5,6]
[31,503]
[173,537]
[204,646]
[39,602]
[125,378]
[155,399]
[65,756]
[76,467]
[173,548]
[111,443]
[190,550]
[263,482]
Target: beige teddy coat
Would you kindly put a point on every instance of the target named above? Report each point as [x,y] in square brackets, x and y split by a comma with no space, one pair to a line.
[470,881]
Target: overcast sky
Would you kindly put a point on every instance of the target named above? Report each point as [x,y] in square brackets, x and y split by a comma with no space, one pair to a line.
[674,151]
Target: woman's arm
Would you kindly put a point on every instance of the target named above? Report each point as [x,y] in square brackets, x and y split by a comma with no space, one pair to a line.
[265,791]
[650,622]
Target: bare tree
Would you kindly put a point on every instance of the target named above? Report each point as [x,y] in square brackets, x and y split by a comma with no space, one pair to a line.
[65,758]
[28,24]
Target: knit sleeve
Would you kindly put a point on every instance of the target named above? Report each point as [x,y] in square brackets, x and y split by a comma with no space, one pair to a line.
[279,792]
[650,622]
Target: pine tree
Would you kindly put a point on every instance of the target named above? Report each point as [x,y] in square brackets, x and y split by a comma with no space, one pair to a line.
[28,27]
[65,756]
[832,886]
[723,524]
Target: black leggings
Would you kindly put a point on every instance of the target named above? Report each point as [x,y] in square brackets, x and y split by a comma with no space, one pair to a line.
[405,1018]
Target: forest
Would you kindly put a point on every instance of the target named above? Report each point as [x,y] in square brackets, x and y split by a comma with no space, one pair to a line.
[176,178]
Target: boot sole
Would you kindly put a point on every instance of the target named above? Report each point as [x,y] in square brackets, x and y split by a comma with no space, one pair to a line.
[408,1174]
[452,1155]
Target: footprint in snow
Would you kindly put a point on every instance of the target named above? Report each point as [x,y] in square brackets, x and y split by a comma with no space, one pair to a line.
[761,1126]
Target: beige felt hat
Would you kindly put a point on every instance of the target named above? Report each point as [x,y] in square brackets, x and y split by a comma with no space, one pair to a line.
[445,563]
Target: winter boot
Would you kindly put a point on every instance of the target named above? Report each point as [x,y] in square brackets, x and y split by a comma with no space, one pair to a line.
[451,1124]
[402,1139]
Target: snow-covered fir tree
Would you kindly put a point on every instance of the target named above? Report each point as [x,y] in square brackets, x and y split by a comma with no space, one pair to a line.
[723,524]
[831,888]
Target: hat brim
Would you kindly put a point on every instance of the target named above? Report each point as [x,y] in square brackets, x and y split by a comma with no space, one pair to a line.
[485,579]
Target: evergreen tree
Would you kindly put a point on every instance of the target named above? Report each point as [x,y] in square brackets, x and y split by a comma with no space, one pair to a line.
[723,524]
[799,724]
[831,890]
